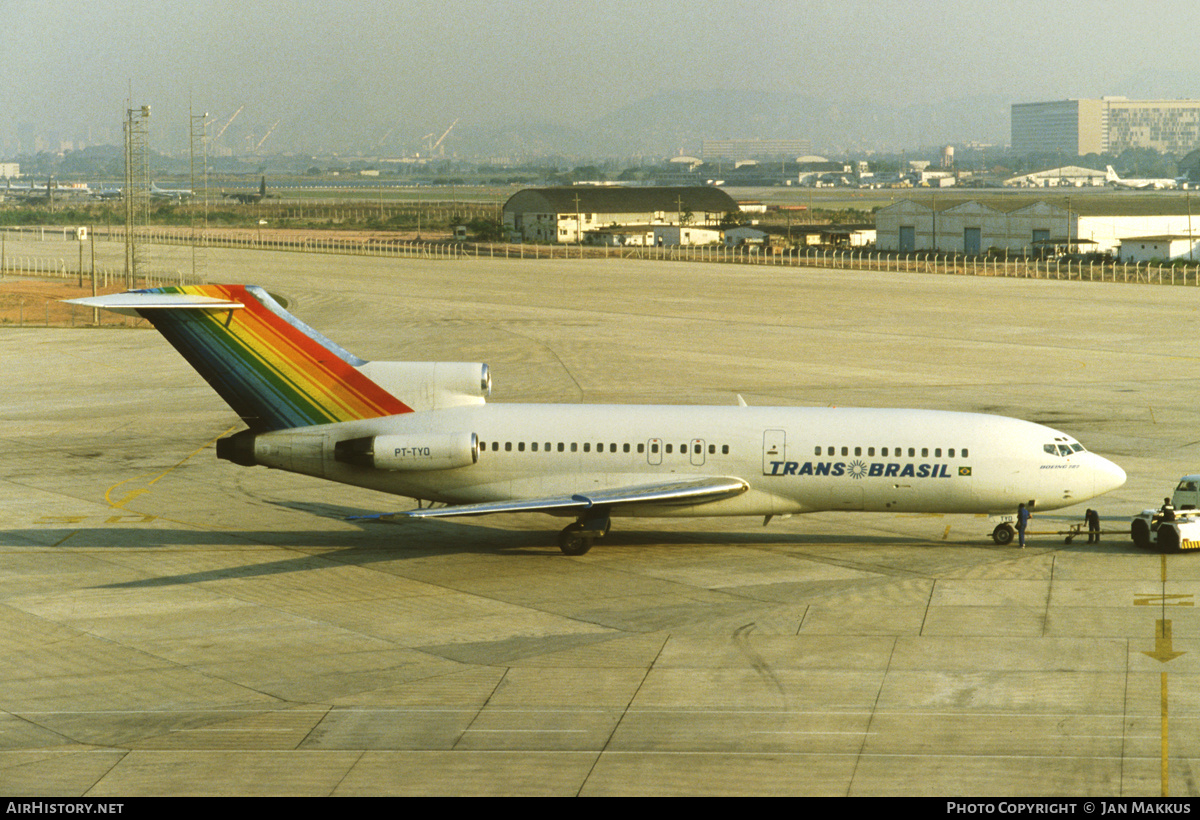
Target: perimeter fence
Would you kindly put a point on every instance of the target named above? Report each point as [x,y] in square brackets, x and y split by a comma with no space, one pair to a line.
[1089,270]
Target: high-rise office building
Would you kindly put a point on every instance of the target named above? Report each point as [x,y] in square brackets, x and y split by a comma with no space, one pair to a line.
[1107,125]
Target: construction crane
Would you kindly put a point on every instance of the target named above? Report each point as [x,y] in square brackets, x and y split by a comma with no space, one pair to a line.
[270,131]
[386,134]
[228,123]
[435,146]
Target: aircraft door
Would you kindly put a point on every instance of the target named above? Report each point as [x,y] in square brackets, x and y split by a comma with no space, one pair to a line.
[697,451]
[654,448]
[774,450]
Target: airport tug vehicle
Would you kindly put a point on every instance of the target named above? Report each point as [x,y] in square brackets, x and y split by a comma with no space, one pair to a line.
[1176,525]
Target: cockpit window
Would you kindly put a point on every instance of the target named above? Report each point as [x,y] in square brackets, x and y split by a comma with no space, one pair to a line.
[1063,449]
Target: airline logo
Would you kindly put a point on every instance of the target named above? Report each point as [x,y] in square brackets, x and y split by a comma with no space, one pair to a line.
[860,469]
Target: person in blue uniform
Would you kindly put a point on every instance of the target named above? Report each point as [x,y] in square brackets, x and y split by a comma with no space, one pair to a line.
[1022,523]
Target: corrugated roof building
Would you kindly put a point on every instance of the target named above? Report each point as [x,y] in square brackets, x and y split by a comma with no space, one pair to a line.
[1020,226]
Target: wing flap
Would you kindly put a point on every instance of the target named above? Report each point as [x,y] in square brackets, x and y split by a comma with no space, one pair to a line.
[679,492]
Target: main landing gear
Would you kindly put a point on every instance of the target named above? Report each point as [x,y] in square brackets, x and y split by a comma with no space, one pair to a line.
[577,538]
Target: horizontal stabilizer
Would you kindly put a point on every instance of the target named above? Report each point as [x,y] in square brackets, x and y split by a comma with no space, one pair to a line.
[683,491]
[132,301]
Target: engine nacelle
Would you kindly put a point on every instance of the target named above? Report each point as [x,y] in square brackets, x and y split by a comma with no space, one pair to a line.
[430,451]
[432,385]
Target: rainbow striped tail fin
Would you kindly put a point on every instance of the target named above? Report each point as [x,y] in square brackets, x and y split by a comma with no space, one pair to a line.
[277,372]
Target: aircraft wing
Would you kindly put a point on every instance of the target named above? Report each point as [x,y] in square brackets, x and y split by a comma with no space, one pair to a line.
[680,492]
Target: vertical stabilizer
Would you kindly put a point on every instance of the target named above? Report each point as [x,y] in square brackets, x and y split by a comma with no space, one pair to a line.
[275,371]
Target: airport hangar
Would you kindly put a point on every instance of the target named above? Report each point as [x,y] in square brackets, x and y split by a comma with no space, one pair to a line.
[1021,227]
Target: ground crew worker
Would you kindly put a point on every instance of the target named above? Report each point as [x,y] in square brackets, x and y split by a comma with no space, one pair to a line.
[1022,523]
[1093,524]
[1168,512]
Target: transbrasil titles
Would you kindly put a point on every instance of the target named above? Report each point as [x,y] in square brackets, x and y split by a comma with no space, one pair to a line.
[861,469]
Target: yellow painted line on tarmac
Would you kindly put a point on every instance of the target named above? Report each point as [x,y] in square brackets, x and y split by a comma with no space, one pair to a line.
[1163,681]
[133,494]
[1164,652]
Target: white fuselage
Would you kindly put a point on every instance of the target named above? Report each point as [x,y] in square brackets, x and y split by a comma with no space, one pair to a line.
[794,459]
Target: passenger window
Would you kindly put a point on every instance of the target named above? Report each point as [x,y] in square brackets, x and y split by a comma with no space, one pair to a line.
[668,448]
[950,452]
[533,446]
[508,446]
[641,448]
[724,449]
[560,447]
[612,448]
[845,451]
[574,446]
[965,453]
[654,447]
[520,446]
[712,449]
[911,452]
[937,453]
[870,451]
[818,452]
[626,447]
[924,452]
[587,446]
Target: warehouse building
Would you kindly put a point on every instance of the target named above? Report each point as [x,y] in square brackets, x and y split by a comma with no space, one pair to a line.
[568,214]
[1159,249]
[1023,227]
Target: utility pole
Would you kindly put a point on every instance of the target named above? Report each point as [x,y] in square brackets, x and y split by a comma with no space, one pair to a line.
[137,188]
[198,133]
[578,222]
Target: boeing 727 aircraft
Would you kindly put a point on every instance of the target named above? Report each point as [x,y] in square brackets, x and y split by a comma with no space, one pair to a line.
[424,430]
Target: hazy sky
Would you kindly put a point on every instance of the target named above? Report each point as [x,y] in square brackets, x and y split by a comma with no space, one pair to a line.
[329,70]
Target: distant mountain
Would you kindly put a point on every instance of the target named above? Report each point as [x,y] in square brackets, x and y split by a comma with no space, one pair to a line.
[666,123]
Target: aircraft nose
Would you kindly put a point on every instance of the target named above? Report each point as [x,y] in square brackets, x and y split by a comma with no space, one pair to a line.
[1107,476]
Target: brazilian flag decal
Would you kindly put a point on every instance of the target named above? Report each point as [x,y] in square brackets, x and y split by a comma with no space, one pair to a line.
[964,470]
